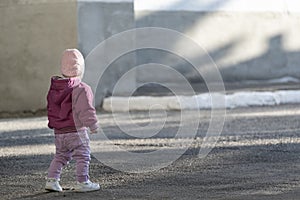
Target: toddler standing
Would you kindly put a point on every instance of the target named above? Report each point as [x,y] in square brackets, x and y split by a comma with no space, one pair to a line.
[70,113]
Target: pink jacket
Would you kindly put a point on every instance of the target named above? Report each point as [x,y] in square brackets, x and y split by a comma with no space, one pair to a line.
[70,106]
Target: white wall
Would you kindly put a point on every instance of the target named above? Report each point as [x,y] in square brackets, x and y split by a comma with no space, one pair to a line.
[248,39]
[219,5]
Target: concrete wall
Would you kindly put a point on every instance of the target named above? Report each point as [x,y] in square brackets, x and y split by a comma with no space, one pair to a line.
[35,32]
[248,40]
[97,21]
[33,35]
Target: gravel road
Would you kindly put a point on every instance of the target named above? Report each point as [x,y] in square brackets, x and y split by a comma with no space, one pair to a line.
[257,156]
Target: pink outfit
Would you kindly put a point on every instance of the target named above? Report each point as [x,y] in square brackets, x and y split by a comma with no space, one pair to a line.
[71,145]
[70,106]
[70,112]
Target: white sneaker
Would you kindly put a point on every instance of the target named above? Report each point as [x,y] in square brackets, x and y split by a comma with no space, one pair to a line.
[53,185]
[87,186]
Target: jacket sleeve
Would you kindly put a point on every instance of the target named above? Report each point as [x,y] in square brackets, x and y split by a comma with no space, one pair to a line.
[85,110]
[49,112]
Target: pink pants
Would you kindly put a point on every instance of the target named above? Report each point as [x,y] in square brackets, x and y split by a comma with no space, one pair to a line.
[71,145]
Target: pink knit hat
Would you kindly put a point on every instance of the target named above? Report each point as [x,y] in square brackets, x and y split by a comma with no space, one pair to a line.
[72,63]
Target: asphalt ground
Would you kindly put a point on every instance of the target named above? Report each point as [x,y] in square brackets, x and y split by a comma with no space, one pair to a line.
[257,156]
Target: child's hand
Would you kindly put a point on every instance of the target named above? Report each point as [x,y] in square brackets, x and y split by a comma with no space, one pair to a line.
[94,131]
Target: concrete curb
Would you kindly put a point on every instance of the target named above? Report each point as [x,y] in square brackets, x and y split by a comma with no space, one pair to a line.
[201,101]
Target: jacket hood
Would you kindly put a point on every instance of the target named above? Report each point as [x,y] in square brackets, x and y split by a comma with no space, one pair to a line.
[61,87]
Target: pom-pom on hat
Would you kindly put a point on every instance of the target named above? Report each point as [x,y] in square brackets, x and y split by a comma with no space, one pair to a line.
[72,63]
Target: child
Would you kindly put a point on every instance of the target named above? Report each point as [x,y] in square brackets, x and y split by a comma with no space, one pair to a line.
[70,113]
